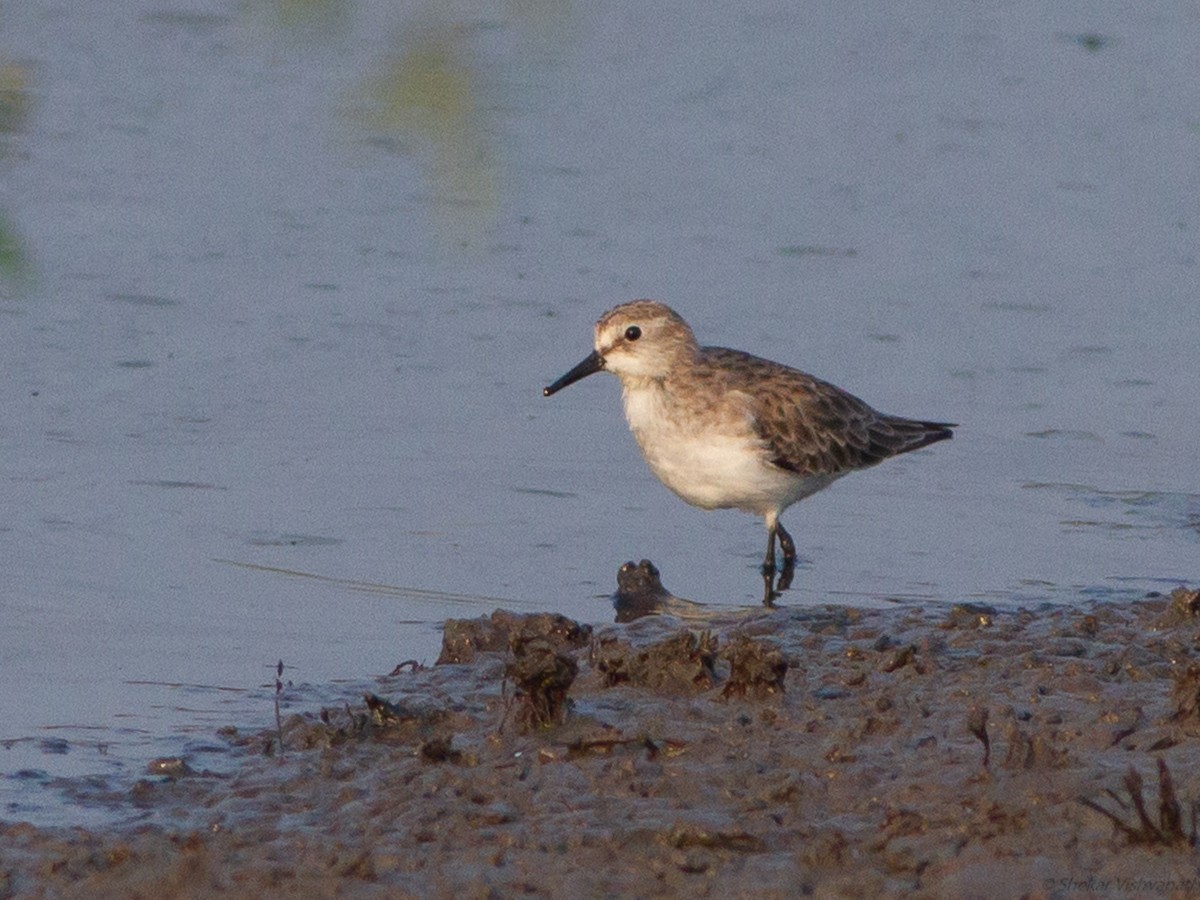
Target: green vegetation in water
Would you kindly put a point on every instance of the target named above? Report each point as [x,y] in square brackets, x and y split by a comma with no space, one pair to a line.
[14,97]
[14,261]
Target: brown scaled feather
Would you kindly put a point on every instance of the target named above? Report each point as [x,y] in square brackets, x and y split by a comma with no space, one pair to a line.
[812,427]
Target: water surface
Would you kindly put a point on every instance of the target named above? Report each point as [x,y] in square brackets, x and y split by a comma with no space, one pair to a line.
[282,283]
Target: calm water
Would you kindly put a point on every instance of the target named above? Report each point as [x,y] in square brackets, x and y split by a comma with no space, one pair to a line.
[281,283]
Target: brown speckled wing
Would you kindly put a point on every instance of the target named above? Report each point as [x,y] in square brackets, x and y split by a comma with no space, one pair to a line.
[814,428]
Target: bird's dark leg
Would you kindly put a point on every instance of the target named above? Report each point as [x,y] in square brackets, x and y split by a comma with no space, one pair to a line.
[789,558]
[771,587]
[768,568]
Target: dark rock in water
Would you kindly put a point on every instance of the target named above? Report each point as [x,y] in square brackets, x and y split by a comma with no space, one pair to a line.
[640,579]
[640,592]
[462,639]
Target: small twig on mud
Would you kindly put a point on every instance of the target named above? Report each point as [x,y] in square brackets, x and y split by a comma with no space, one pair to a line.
[508,701]
[410,664]
[278,717]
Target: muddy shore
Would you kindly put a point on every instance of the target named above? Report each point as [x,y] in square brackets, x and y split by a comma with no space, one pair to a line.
[823,751]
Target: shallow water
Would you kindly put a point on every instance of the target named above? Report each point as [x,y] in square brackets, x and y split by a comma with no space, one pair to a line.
[282,283]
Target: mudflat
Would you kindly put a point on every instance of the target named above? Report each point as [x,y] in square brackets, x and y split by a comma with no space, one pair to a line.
[825,751]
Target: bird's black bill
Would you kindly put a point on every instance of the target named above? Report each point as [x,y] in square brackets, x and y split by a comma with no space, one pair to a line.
[594,363]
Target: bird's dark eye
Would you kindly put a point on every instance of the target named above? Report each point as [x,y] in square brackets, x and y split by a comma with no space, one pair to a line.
[632,333]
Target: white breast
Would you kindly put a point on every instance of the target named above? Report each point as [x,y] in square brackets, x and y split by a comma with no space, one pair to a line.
[711,458]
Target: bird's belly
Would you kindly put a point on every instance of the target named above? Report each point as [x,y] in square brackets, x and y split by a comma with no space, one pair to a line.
[717,462]
[717,472]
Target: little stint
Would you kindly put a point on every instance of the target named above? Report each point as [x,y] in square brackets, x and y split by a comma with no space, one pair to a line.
[724,429]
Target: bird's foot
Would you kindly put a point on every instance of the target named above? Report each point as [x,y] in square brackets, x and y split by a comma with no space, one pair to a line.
[769,592]
[775,583]
[786,574]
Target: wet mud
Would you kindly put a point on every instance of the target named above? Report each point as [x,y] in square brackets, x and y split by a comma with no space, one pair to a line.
[825,751]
